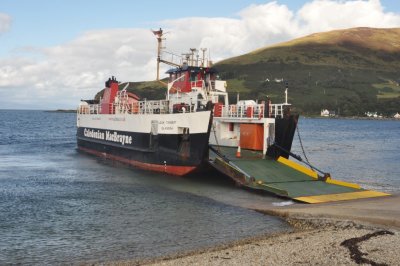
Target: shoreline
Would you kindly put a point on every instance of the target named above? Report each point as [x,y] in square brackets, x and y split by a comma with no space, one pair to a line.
[348,232]
[61,111]
[353,118]
[382,212]
[324,244]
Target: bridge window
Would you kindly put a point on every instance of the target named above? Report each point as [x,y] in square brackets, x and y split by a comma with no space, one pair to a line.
[193,76]
[221,99]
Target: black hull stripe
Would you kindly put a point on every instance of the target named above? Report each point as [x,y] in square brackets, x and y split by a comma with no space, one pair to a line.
[160,149]
[169,169]
[100,142]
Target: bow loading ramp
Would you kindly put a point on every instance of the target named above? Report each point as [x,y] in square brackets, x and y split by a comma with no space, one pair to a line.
[283,177]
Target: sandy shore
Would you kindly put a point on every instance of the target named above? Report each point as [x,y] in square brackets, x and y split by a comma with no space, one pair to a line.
[342,233]
[309,247]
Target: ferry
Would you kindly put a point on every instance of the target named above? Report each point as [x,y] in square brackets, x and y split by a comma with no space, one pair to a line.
[196,127]
[173,135]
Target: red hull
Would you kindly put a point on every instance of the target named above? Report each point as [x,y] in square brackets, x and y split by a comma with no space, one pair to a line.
[169,169]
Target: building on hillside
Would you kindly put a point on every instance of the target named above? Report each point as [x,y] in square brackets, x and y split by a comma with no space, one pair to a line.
[371,114]
[325,112]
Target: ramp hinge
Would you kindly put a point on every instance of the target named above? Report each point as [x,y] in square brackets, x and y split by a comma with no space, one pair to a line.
[325,177]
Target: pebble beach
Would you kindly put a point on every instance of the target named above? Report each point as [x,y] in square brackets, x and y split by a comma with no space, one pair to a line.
[340,233]
[318,246]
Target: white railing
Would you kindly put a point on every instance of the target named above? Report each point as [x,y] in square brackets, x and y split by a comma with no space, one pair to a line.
[277,110]
[89,109]
[163,107]
[248,112]
[139,107]
[150,107]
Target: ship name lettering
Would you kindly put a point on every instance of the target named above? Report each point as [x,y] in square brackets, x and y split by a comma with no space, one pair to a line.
[109,136]
[90,133]
[115,137]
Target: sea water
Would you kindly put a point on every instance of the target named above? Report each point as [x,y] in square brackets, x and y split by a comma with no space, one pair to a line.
[366,152]
[60,206]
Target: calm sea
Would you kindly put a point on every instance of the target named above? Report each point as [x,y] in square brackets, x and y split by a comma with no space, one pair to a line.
[366,152]
[60,206]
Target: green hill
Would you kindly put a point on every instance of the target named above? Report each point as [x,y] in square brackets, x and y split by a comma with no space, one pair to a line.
[350,71]
[152,90]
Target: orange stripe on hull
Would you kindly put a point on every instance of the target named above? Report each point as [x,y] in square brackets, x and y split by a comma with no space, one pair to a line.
[169,169]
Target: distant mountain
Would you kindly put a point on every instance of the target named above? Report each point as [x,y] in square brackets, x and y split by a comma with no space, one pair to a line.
[350,71]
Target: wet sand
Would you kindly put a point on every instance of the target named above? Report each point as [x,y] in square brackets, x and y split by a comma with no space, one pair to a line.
[381,211]
[353,232]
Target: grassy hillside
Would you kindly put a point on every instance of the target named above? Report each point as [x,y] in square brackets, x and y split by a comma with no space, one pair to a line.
[350,71]
[152,90]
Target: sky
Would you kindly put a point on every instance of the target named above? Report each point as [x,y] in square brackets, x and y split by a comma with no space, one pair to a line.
[55,52]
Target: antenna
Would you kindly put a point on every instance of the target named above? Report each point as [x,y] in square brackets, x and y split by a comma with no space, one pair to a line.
[204,56]
[286,92]
[209,57]
[192,50]
[186,59]
[160,37]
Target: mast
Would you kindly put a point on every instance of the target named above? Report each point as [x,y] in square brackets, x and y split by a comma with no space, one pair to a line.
[159,35]
[204,56]
[286,92]
[193,51]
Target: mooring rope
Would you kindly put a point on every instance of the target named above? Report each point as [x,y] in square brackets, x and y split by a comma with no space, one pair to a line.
[215,136]
[301,144]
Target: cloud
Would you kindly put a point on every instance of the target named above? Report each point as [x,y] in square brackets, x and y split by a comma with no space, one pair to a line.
[76,70]
[328,15]
[5,22]
[59,76]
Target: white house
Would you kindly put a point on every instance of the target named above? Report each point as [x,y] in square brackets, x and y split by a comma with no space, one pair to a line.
[324,112]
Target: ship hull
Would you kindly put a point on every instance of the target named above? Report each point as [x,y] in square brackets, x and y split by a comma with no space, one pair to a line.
[176,144]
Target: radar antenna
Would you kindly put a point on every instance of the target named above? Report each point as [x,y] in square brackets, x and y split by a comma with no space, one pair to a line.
[204,56]
[160,37]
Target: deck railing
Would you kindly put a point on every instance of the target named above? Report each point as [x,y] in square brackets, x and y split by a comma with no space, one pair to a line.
[249,111]
[163,107]
[139,107]
[89,109]
[277,110]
